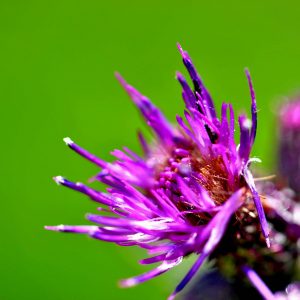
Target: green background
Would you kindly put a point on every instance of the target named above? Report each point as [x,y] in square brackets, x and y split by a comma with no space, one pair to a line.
[57,64]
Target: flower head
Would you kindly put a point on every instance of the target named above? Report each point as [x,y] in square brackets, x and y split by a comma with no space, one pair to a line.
[180,197]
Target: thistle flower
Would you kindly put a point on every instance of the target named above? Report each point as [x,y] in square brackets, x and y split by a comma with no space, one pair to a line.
[289,143]
[292,291]
[179,198]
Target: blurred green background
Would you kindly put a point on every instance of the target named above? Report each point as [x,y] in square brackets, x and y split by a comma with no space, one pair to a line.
[57,65]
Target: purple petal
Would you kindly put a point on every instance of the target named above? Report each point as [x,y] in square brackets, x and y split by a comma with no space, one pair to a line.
[258,283]
[260,210]
[152,260]
[198,84]
[144,144]
[253,110]
[119,238]
[231,135]
[94,159]
[209,122]
[110,221]
[188,92]
[214,232]
[94,195]
[245,148]
[75,229]
[152,114]
[224,130]
[165,266]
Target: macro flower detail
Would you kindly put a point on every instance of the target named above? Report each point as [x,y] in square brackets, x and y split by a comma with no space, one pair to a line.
[277,265]
[189,187]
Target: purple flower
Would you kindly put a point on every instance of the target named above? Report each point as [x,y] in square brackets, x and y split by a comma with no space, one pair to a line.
[289,146]
[292,291]
[179,198]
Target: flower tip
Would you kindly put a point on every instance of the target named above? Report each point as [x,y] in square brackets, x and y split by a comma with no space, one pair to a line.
[121,80]
[178,76]
[118,75]
[68,141]
[171,297]
[59,180]
[180,49]
[55,228]
[245,122]
[92,179]
[125,283]
[268,242]
[89,217]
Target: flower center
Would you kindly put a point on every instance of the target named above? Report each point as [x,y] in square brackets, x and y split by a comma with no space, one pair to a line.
[195,170]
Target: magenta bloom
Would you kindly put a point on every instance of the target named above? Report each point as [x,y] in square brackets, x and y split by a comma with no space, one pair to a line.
[180,197]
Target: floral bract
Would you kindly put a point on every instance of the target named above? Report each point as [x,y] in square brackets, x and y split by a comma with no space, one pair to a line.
[188,188]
